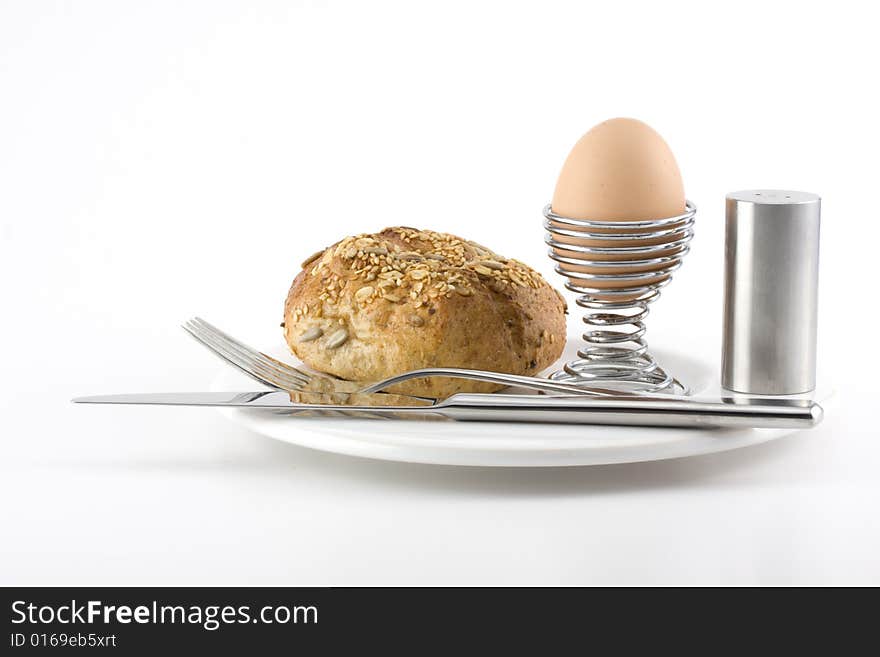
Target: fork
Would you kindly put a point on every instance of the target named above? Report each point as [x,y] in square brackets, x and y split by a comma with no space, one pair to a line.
[277,374]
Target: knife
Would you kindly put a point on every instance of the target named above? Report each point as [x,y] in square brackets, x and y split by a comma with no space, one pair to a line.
[630,411]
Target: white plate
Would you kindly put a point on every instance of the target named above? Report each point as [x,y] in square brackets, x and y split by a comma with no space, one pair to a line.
[496,443]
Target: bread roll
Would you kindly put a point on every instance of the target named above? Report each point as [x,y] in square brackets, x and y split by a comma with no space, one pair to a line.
[372,306]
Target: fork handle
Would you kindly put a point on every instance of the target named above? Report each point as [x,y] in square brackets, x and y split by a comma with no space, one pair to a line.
[528,382]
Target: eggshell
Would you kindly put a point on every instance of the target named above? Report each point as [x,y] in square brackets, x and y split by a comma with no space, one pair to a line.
[621,170]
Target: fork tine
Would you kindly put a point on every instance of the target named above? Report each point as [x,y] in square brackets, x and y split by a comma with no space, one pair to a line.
[282,376]
[286,368]
[268,361]
[243,361]
[230,358]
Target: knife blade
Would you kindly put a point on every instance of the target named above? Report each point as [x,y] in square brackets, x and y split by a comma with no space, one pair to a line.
[269,399]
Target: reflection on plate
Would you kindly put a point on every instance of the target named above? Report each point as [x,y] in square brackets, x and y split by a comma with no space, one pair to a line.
[502,444]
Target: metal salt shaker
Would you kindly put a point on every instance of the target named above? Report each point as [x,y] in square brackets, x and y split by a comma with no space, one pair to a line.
[771,277]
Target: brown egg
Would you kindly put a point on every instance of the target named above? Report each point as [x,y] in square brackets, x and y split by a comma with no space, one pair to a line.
[621,170]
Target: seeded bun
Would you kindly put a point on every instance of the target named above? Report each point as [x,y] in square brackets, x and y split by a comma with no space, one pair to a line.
[372,306]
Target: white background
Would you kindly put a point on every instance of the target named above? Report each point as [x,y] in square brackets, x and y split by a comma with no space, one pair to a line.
[164,159]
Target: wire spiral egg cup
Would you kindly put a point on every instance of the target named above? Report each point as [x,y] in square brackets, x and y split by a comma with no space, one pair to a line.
[615,353]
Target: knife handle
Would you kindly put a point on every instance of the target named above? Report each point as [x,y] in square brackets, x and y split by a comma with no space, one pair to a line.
[632,411]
